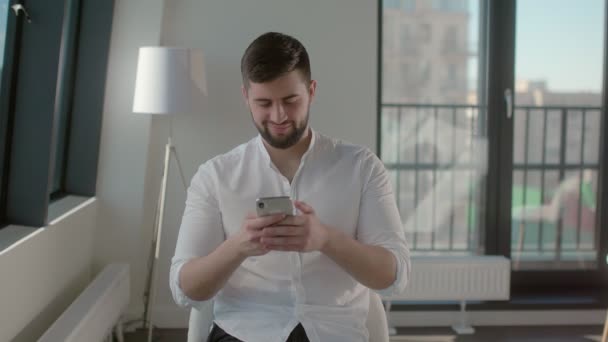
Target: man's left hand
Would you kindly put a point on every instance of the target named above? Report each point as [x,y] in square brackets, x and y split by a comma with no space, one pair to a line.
[300,233]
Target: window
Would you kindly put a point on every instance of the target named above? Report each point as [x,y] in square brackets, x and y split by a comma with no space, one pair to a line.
[450,5]
[3,28]
[406,41]
[405,5]
[7,32]
[64,96]
[427,140]
[556,145]
[425,72]
[388,35]
[50,146]
[452,74]
[391,4]
[450,39]
[424,33]
[408,5]
[406,78]
[471,178]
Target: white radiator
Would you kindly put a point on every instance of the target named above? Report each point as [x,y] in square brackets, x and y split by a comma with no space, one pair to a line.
[96,311]
[458,278]
[454,278]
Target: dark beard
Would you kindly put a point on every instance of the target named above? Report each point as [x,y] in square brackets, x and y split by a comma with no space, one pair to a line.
[285,142]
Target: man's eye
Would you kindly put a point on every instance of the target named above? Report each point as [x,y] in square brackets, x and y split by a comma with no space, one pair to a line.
[264,105]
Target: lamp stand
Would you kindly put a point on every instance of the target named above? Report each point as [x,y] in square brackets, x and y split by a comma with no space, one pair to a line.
[150,292]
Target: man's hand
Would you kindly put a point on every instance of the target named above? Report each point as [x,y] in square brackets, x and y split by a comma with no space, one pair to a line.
[300,233]
[247,240]
[201,278]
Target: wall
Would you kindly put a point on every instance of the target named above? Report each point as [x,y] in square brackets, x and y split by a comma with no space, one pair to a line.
[123,220]
[44,273]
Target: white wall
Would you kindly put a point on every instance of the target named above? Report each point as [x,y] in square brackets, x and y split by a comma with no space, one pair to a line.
[124,217]
[341,39]
[44,273]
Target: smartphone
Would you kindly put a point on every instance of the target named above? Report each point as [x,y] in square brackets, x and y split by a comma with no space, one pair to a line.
[274,205]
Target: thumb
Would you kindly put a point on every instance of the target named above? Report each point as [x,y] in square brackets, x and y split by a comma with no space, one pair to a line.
[303,207]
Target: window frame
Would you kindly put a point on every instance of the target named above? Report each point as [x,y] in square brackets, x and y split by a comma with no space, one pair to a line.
[497,230]
[66,51]
[7,88]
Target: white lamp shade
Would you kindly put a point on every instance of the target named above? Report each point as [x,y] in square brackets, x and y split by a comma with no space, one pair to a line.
[169,80]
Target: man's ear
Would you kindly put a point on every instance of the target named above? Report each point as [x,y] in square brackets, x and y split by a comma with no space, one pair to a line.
[312,90]
[245,95]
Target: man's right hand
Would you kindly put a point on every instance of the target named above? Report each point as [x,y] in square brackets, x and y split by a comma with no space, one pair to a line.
[247,240]
[201,278]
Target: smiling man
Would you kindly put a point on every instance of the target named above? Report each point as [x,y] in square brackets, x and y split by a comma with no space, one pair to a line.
[280,278]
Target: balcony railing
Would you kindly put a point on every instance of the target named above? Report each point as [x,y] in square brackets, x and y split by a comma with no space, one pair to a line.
[555,161]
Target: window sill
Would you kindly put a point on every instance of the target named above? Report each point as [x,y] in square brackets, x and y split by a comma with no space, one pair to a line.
[13,235]
[63,206]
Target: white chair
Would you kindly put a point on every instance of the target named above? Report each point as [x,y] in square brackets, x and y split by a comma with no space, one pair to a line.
[201,319]
[563,205]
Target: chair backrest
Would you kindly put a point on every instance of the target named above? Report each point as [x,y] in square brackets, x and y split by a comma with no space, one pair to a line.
[567,200]
[377,324]
[201,319]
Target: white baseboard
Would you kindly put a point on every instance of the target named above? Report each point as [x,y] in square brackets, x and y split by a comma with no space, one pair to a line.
[176,318]
[498,318]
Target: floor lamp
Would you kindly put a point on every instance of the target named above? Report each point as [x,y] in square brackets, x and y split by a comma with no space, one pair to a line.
[170,80]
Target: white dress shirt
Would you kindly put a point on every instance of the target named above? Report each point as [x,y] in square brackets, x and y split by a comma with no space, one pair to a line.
[267,296]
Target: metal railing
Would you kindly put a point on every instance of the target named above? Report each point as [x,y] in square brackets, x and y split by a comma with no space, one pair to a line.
[447,131]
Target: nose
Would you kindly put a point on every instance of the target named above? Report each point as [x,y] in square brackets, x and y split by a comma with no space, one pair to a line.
[277,114]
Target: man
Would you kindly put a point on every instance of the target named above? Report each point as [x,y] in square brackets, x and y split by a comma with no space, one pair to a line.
[288,278]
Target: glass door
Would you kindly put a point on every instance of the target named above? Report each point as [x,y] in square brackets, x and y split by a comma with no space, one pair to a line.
[432,121]
[559,63]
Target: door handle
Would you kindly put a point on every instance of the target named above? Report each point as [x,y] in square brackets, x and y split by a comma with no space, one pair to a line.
[509,102]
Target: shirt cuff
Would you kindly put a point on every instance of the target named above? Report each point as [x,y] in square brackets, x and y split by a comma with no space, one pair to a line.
[403,267]
[179,296]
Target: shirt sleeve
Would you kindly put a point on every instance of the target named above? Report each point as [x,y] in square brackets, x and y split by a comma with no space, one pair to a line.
[200,233]
[379,221]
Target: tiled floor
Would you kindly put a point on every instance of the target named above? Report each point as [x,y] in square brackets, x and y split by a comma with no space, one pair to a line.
[483,334]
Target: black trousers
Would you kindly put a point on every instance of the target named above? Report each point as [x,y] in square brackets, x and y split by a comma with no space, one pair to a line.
[219,335]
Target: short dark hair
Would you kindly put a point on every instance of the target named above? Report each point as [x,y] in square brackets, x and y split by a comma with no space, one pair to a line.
[272,55]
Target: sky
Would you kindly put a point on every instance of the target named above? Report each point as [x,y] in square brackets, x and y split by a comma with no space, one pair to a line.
[3,15]
[559,41]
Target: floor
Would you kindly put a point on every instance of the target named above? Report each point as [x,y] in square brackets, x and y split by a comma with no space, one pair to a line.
[482,334]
